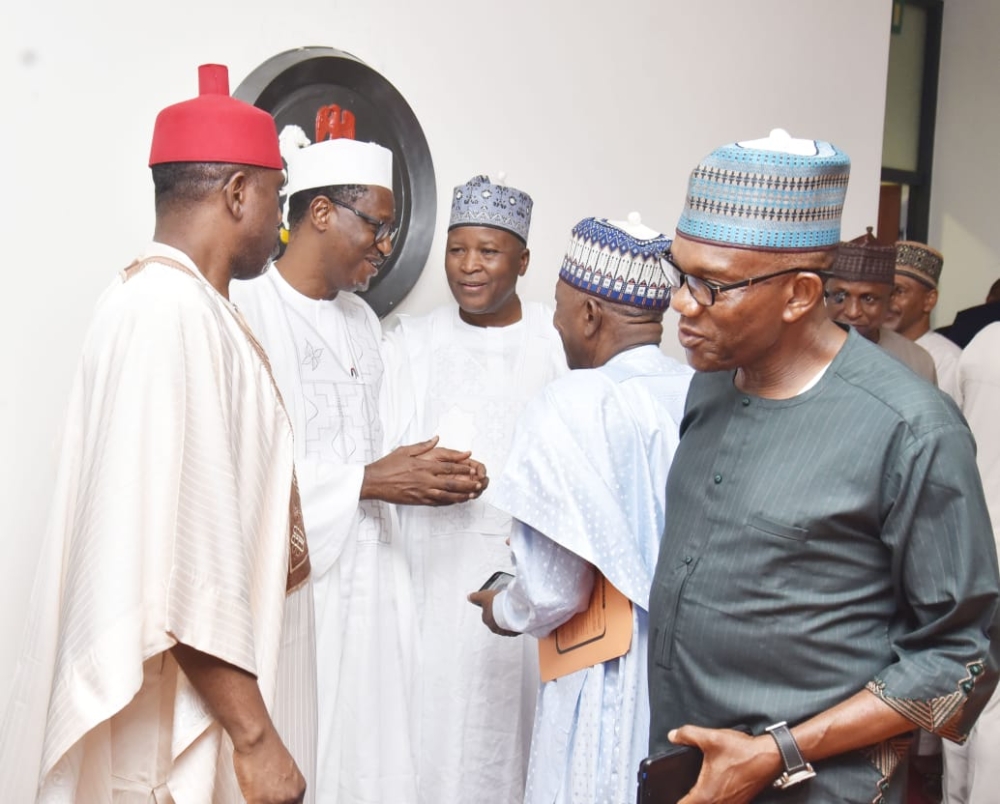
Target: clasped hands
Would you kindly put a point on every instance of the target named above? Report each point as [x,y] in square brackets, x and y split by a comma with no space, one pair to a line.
[424,474]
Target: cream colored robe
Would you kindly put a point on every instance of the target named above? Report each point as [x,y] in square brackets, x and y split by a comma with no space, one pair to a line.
[917,359]
[170,523]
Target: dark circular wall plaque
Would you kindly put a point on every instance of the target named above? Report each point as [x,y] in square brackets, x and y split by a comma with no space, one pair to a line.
[323,90]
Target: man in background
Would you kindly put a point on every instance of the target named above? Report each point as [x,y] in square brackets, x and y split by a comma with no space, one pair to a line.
[464,373]
[169,640]
[918,271]
[585,483]
[969,321]
[858,293]
[827,575]
[971,771]
[324,343]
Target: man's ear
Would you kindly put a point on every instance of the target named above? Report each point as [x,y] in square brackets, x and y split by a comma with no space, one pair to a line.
[593,316]
[930,300]
[805,291]
[236,193]
[525,259]
[320,211]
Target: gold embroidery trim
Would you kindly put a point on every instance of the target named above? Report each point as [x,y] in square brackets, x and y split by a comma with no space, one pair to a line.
[938,715]
[886,756]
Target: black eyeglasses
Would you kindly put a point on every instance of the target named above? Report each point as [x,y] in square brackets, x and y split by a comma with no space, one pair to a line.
[383,229]
[704,292]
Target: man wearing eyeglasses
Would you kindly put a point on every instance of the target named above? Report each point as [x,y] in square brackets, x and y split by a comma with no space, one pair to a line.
[324,345]
[859,293]
[827,576]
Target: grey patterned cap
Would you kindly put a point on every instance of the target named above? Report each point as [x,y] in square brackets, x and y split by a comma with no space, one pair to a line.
[480,202]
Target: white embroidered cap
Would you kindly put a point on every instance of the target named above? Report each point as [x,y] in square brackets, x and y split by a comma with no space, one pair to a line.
[336,162]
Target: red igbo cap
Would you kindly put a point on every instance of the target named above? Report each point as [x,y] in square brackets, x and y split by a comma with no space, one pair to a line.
[215,127]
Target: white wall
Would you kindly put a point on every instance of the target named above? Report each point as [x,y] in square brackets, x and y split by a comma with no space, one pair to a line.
[594,108]
[965,211]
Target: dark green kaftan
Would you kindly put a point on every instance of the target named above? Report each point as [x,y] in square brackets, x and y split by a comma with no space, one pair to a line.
[817,546]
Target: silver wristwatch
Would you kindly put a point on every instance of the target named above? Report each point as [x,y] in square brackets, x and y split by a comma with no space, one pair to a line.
[796,768]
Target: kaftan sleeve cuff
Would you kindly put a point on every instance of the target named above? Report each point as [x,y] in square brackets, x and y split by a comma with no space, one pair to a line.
[552,584]
[952,715]
[503,619]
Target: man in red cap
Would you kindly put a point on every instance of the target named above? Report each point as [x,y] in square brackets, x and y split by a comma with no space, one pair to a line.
[170,624]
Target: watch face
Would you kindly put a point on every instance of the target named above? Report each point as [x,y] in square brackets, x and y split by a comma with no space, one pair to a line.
[329,93]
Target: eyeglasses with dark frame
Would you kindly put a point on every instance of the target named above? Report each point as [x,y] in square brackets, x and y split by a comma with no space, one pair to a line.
[383,229]
[704,292]
[867,300]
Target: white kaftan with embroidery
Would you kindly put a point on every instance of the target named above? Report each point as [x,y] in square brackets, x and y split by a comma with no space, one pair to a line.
[327,361]
[476,691]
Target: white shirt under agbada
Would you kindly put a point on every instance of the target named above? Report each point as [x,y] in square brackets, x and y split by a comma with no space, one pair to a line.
[475,691]
[170,523]
[327,361]
[946,355]
[586,481]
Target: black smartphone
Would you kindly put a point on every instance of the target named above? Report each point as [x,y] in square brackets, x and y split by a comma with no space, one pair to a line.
[498,580]
[667,777]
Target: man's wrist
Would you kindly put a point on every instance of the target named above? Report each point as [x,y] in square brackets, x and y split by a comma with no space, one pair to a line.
[371,487]
[795,769]
[248,735]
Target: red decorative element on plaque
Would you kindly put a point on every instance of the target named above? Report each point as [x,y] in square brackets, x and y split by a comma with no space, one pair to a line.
[334,123]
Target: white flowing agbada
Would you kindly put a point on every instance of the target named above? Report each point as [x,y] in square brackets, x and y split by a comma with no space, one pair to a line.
[971,771]
[586,479]
[170,523]
[327,361]
[946,355]
[475,692]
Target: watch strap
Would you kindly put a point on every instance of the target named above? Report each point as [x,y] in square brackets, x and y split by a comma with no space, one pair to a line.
[796,768]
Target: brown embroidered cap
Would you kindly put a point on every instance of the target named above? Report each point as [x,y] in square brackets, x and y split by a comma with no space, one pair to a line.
[919,261]
[863,259]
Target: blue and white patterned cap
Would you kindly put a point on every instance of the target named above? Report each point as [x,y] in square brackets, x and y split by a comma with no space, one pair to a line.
[772,194]
[618,260]
[480,202]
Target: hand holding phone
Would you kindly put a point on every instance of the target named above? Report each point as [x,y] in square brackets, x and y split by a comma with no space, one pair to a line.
[667,777]
[498,580]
